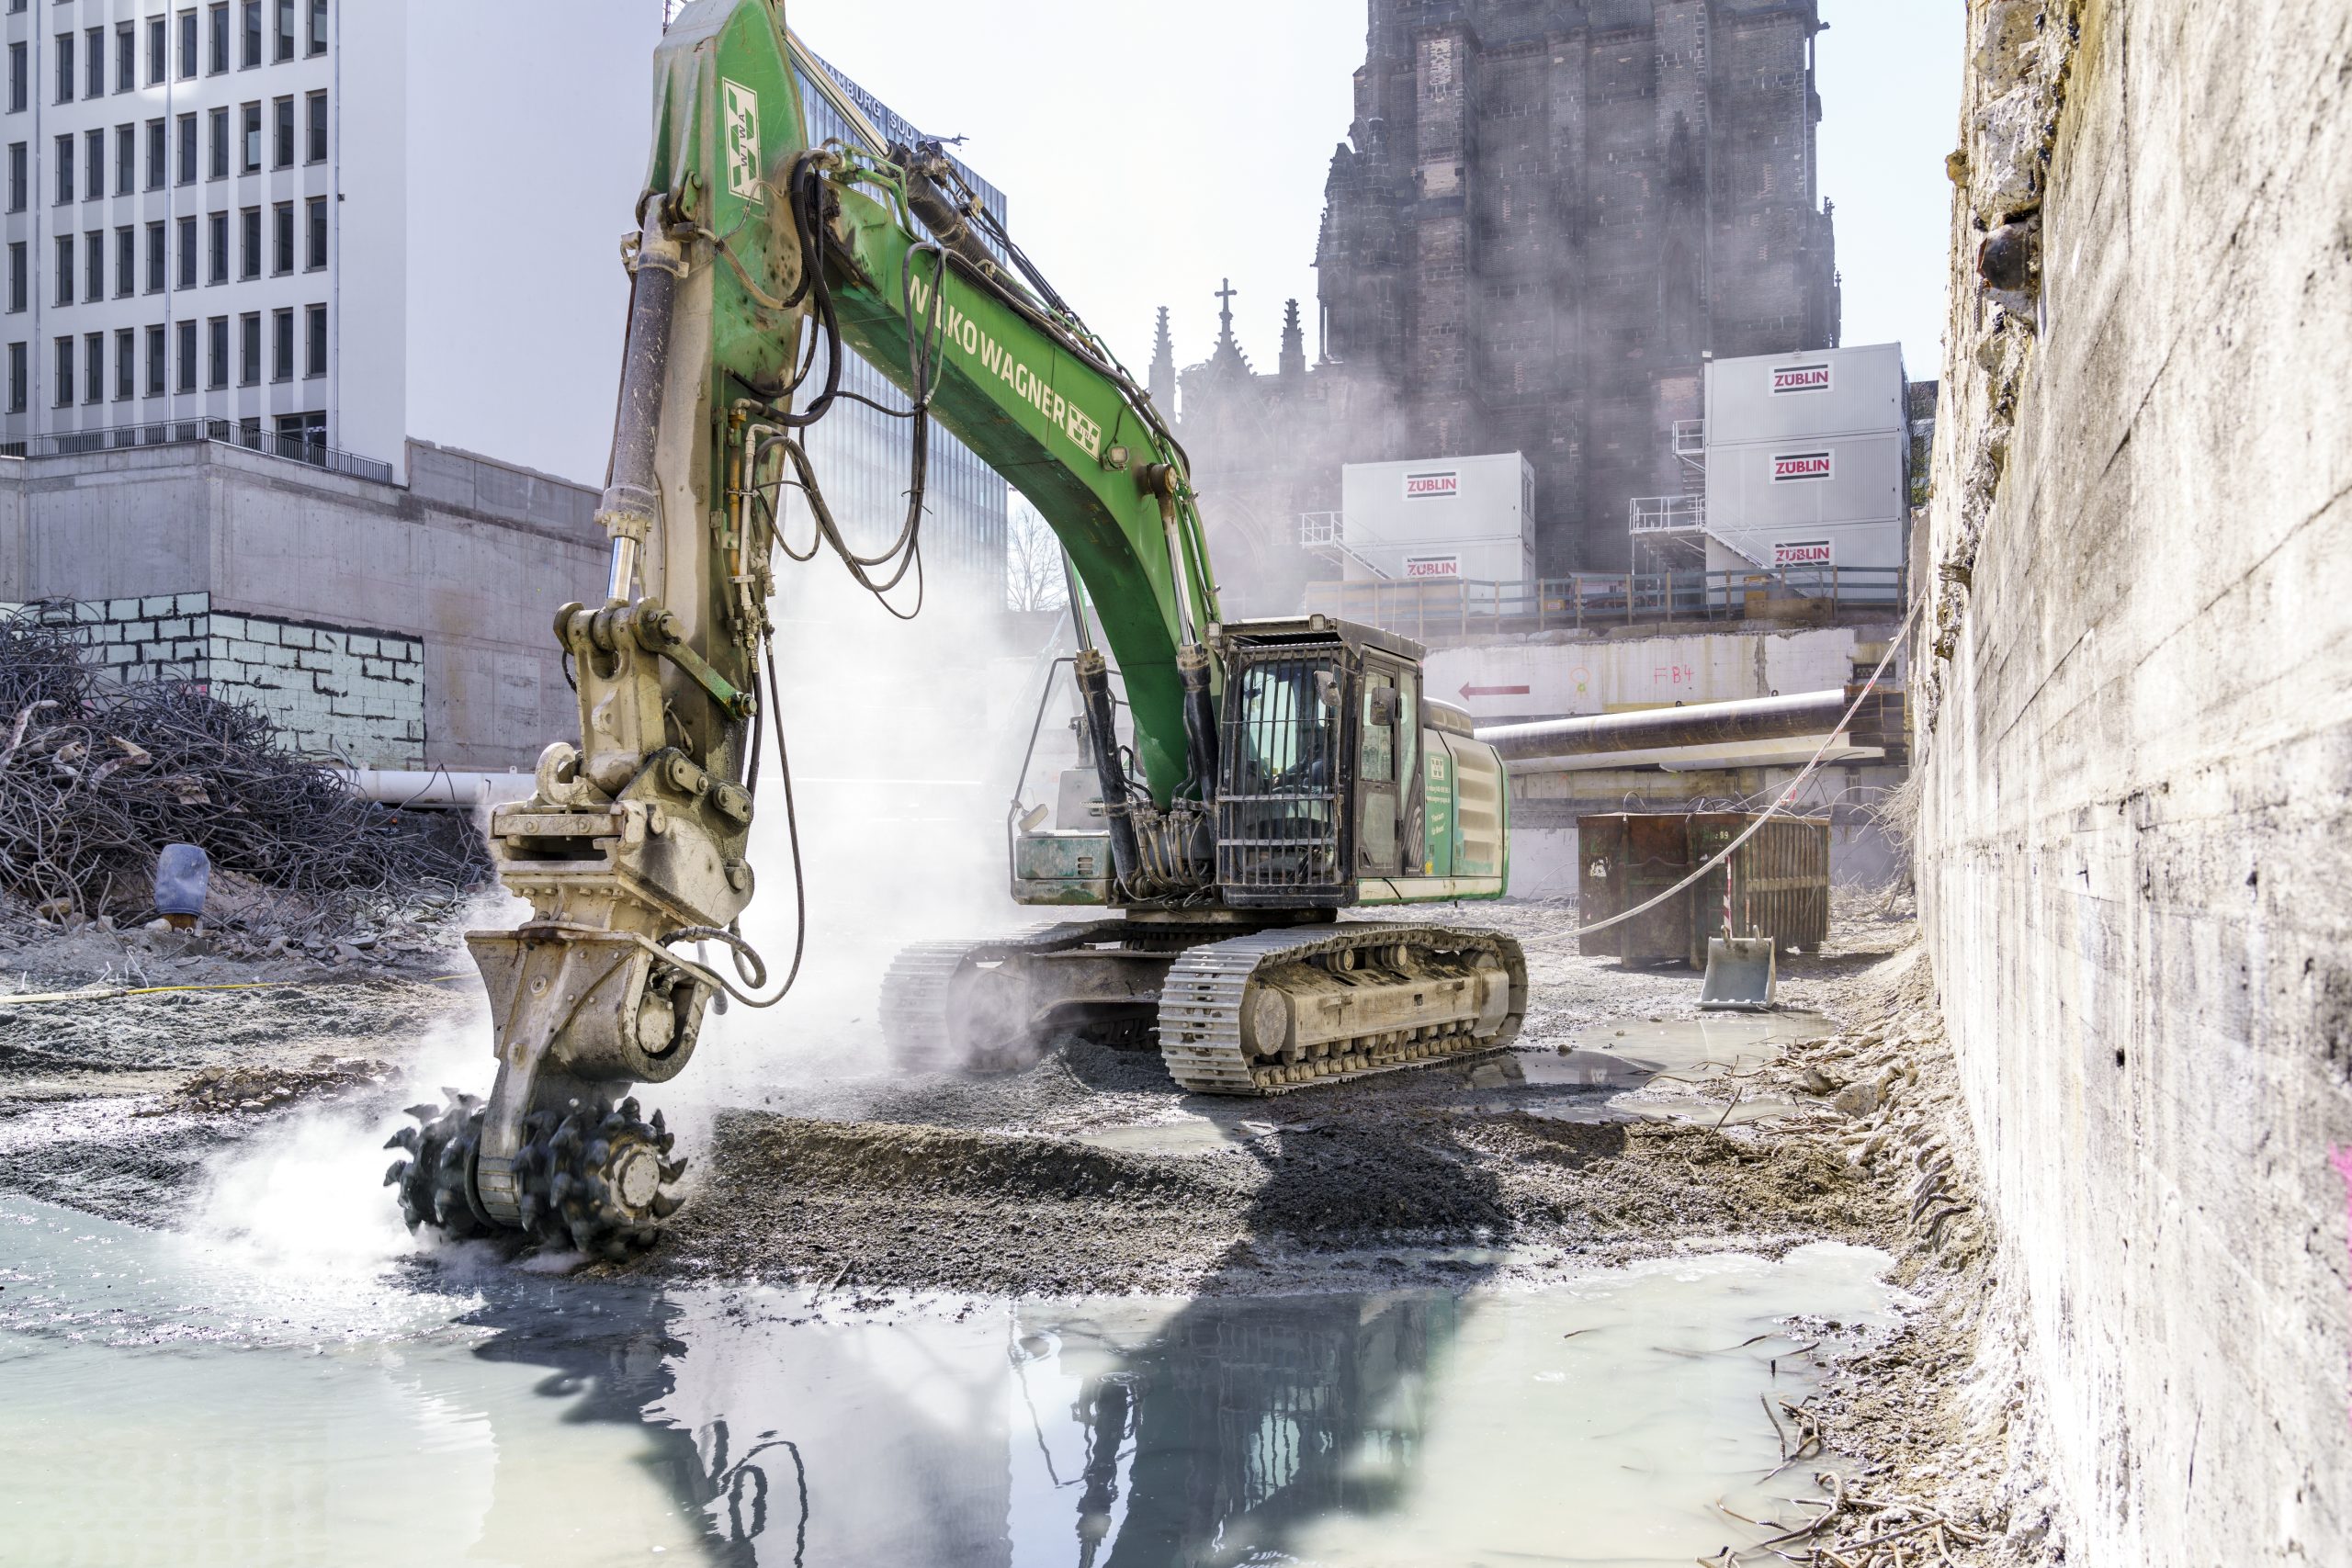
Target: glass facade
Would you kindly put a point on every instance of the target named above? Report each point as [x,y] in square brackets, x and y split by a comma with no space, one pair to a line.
[860,454]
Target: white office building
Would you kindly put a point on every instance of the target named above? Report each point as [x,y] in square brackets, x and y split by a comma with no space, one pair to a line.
[175,225]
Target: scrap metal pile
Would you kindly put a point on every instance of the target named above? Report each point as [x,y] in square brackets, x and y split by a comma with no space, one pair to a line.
[97,775]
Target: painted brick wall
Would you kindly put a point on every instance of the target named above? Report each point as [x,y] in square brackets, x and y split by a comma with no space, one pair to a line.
[354,694]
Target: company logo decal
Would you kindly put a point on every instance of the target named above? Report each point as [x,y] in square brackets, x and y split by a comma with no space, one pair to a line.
[985,357]
[1432,566]
[1801,377]
[1788,467]
[742,143]
[1803,552]
[1420,487]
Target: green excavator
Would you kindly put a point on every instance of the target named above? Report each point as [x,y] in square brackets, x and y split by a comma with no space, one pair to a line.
[1270,774]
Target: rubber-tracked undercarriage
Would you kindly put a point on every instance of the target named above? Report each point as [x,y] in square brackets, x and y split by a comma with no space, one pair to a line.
[1260,1012]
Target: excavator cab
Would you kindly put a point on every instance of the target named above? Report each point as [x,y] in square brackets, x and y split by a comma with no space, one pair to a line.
[1339,783]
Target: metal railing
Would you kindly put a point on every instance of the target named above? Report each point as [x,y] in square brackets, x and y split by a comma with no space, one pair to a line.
[1425,610]
[1666,513]
[188,432]
[1316,529]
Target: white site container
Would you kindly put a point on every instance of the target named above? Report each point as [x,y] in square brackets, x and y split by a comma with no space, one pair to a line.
[1831,391]
[1842,495]
[1440,519]
[1808,458]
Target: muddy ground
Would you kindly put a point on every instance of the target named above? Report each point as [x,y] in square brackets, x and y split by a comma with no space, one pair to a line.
[1589,1143]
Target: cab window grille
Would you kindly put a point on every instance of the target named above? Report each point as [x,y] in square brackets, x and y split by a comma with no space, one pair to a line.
[1280,822]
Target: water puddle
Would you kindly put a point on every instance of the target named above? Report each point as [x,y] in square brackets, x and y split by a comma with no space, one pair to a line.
[166,1404]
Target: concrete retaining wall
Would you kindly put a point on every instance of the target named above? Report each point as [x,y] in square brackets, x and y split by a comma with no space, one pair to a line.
[2136,861]
[398,626]
[347,693]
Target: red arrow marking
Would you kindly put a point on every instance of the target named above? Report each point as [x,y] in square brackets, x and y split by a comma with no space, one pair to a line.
[1468,691]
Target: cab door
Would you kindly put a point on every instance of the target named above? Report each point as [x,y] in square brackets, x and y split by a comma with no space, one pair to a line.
[1388,765]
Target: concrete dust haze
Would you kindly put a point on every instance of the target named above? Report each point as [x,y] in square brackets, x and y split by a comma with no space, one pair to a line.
[904,738]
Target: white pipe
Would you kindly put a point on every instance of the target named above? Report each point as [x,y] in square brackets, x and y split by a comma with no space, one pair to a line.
[437,788]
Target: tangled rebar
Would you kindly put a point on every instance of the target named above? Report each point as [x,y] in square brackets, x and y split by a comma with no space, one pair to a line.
[97,775]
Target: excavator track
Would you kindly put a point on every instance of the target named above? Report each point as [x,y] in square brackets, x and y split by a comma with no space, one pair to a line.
[929,1021]
[1275,1011]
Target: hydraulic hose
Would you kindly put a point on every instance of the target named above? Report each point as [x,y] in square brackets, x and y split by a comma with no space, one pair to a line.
[1093,672]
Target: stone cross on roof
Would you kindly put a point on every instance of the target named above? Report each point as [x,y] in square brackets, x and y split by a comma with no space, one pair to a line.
[1224,311]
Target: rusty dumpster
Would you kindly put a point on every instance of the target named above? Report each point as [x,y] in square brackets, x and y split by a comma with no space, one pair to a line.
[1780,881]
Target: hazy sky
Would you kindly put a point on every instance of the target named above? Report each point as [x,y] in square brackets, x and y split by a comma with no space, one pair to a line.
[1148,151]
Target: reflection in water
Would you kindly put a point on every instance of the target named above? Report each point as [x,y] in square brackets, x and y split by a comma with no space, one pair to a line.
[262,1421]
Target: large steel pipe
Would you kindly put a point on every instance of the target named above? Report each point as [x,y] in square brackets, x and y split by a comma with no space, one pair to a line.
[1699,724]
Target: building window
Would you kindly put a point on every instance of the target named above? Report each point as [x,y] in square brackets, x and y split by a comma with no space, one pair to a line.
[188,357]
[155,362]
[253,34]
[282,237]
[249,347]
[188,45]
[94,366]
[18,270]
[317,151]
[219,119]
[64,170]
[187,253]
[19,174]
[94,264]
[159,155]
[65,269]
[19,378]
[219,62]
[126,57]
[218,370]
[126,262]
[281,114]
[318,257]
[219,238]
[249,253]
[158,49]
[156,261]
[252,113]
[65,68]
[281,355]
[126,159]
[285,29]
[94,76]
[318,26]
[187,149]
[316,364]
[126,364]
[64,389]
[93,165]
[18,78]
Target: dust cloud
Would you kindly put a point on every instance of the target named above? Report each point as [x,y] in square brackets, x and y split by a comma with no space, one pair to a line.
[905,740]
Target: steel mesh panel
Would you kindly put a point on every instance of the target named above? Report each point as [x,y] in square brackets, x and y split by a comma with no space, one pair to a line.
[1279,819]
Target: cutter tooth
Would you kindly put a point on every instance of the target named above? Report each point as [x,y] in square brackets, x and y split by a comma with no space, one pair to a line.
[406,1138]
[392,1177]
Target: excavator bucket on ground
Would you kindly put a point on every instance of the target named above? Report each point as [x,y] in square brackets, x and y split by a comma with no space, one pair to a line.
[1742,974]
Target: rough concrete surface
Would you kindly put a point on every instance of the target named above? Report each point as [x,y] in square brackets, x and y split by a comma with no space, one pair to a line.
[2136,731]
